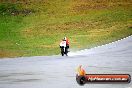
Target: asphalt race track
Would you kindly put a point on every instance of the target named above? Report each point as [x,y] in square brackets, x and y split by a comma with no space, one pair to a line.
[60,72]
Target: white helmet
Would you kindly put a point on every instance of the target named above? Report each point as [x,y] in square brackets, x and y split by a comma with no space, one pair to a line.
[65,38]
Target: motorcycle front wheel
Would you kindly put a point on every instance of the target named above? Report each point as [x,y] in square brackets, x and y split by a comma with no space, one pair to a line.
[62,51]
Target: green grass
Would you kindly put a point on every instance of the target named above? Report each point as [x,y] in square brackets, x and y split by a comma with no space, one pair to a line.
[36,28]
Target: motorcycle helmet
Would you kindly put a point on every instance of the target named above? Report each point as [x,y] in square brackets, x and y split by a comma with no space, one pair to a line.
[65,38]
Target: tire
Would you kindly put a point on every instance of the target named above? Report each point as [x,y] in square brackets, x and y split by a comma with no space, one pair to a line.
[129,80]
[66,51]
[81,80]
[62,51]
[62,54]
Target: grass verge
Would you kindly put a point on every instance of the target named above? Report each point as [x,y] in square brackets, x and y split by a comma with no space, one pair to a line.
[35,28]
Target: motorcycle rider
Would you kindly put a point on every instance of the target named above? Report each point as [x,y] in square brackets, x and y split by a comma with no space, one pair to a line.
[65,43]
